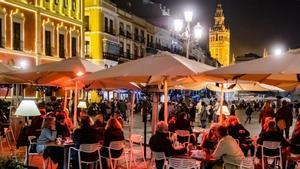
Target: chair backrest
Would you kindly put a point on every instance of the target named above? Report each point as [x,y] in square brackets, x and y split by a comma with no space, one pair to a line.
[117,145]
[181,163]
[32,145]
[272,145]
[159,155]
[31,140]
[136,138]
[247,163]
[89,148]
[182,133]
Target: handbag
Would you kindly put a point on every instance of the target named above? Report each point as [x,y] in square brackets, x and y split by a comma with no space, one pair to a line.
[281,124]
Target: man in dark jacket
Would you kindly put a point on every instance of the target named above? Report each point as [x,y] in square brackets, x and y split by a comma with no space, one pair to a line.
[285,115]
[160,142]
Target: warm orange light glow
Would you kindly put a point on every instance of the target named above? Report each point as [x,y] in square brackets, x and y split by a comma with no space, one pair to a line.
[79,73]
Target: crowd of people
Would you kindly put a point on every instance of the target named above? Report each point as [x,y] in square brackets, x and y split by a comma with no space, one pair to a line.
[230,141]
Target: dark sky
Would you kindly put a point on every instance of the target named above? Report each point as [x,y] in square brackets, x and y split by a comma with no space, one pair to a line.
[254,24]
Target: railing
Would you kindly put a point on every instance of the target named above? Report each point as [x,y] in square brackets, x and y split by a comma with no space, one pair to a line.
[110,31]
[2,44]
[136,37]
[128,35]
[18,45]
[142,39]
[62,53]
[121,32]
[110,56]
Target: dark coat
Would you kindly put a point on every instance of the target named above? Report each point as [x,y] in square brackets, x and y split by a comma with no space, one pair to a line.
[111,135]
[161,143]
[85,136]
[183,124]
[234,131]
[285,113]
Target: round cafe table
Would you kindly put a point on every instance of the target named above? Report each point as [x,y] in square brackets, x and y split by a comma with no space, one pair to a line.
[65,146]
[204,161]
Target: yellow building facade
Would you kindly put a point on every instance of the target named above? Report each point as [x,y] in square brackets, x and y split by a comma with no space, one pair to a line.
[219,38]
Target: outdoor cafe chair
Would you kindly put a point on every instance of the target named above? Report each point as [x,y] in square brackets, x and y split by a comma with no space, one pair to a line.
[136,139]
[246,163]
[117,146]
[184,134]
[87,149]
[295,156]
[271,145]
[159,156]
[181,163]
[31,152]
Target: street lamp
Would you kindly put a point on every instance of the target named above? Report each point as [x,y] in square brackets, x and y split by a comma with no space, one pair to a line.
[178,25]
[277,51]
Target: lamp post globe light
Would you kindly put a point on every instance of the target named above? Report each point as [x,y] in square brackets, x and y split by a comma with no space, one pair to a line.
[187,34]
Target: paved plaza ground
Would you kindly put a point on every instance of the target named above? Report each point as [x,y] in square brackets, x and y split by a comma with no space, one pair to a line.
[138,128]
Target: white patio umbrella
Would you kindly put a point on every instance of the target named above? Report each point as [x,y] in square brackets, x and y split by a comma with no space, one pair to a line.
[46,74]
[8,79]
[282,71]
[162,68]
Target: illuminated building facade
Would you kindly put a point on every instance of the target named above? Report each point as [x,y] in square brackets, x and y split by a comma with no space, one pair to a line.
[219,38]
[39,31]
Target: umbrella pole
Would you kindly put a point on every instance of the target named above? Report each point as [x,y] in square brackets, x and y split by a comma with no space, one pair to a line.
[221,104]
[131,113]
[65,100]
[166,100]
[131,120]
[154,112]
[75,105]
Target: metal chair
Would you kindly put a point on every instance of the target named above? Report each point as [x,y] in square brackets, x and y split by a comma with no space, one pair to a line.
[271,145]
[295,156]
[31,152]
[181,163]
[183,134]
[117,146]
[160,156]
[136,139]
[246,163]
[87,149]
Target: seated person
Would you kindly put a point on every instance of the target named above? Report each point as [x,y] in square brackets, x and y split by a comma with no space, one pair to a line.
[272,134]
[182,123]
[61,126]
[48,134]
[238,132]
[160,142]
[113,132]
[99,125]
[210,139]
[172,122]
[295,140]
[227,149]
[84,135]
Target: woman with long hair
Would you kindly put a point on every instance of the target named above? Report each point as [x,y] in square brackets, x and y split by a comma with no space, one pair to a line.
[266,111]
[113,132]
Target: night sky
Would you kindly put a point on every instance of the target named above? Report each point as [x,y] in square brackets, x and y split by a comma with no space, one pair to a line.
[254,24]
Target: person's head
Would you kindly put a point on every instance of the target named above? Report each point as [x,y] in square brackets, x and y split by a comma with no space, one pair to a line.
[116,114]
[43,112]
[222,131]
[232,107]
[172,120]
[213,129]
[267,104]
[100,118]
[232,121]
[162,127]
[60,118]
[85,122]
[48,123]
[113,123]
[284,103]
[272,126]
[248,104]
[182,116]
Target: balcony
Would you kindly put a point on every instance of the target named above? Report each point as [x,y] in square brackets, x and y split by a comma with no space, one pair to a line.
[18,45]
[2,43]
[110,31]
[121,32]
[128,35]
[110,56]
[136,37]
[142,39]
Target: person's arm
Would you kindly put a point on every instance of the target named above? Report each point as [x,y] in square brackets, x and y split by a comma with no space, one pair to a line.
[219,151]
[50,134]
[169,151]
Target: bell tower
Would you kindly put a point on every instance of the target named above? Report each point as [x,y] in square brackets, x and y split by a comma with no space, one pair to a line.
[219,38]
